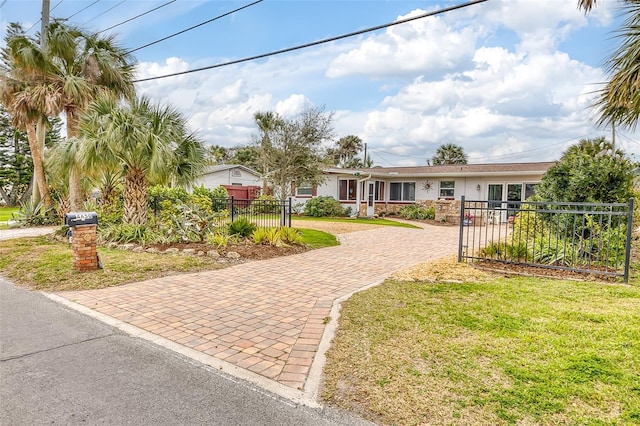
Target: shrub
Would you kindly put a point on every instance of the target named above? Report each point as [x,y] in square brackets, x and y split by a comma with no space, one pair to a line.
[124,233]
[417,211]
[158,193]
[291,235]
[192,222]
[220,197]
[505,251]
[31,214]
[266,204]
[323,206]
[218,239]
[242,227]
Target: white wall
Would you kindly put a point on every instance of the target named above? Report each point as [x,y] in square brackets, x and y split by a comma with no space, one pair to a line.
[225,177]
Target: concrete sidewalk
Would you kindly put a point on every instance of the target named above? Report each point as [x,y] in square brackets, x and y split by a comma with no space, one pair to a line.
[267,321]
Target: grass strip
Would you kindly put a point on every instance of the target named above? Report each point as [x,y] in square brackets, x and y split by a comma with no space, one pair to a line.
[510,351]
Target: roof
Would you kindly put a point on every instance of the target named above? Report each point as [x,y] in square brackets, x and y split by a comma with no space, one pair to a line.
[494,169]
[223,167]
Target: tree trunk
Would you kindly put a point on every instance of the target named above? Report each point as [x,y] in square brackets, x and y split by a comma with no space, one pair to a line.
[40,135]
[76,197]
[38,167]
[135,198]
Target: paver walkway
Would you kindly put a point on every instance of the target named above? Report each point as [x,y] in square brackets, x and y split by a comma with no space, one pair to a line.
[268,316]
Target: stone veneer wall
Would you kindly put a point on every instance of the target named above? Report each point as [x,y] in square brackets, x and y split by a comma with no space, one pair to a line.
[446,210]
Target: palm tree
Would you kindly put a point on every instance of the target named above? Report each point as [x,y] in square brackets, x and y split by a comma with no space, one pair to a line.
[348,147]
[79,67]
[25,98]
[449,153]
[586,5]
[267,122]
[151,143]
[618,102]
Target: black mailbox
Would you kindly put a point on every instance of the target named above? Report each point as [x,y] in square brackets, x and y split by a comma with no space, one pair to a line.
[80,218]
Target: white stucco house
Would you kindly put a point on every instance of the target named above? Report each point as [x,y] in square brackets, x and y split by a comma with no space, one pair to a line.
[240,181]
[228,174]
[380,190]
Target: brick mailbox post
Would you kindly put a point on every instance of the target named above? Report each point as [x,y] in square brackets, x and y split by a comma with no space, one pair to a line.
[83,240]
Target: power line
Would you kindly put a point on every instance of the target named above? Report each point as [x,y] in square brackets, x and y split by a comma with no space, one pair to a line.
[136,17]
[40,20]
[108,10]
[83,9]
[315,43]
[195,26]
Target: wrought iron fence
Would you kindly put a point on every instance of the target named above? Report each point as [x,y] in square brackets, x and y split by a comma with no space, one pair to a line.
[264,213]
[580,237]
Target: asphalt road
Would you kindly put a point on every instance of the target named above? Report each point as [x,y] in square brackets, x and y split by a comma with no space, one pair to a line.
[58,366]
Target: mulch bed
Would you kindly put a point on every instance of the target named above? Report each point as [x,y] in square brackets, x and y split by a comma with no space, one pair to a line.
[532,271]
[246,251]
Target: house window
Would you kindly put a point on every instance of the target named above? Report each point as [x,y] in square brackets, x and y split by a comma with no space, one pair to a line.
[347,189]
[447,188]
[305,189]
[529,190]
[402,191]
[379,191]
[236,173]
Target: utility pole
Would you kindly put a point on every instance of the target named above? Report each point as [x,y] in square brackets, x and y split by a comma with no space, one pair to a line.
[44,22]
[613,136]
[364,160]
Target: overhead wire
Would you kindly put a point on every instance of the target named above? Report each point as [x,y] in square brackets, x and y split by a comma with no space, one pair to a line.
[195,26]
[316,43]
[83,9]
[40,20]
[137,16]
[106,11]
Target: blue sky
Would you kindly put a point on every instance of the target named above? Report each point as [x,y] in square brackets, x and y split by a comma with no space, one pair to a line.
[508,80]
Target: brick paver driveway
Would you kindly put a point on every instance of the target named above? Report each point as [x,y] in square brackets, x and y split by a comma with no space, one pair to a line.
[268,316]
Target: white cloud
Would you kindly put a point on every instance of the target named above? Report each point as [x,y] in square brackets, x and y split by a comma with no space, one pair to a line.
[424,46]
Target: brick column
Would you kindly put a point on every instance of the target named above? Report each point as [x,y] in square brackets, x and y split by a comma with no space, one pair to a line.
[83,244]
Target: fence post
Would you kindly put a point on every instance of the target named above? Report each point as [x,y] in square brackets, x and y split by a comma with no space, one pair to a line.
[460,236]
[627,254]
[232,209]
[290,203]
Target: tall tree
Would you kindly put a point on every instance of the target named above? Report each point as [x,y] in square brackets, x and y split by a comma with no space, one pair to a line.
[449,153]
[347,150]
[150,142]
[296,152]
[25,96]
[267,123]
[618,102]
[84,66]
[16,166]
[590,171]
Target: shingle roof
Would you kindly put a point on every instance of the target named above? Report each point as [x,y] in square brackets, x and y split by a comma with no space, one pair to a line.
[223,167]
[450,170]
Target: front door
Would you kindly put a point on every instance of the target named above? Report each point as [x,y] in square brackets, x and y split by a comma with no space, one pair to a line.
[371,203]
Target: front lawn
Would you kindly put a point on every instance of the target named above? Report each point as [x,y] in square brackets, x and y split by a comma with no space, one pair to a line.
[359,220]
[43,264]
[6,213]
[504,351]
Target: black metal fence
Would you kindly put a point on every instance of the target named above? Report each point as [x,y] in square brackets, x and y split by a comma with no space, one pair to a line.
[579,237]
[264,213]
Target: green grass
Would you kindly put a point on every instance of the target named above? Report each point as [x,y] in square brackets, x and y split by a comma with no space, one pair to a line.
[512,351]
[43,264]
[363,220]
[318,239]
[6,213]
